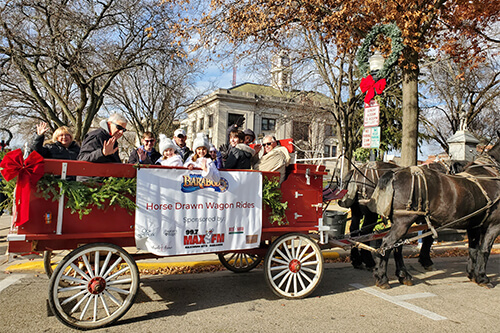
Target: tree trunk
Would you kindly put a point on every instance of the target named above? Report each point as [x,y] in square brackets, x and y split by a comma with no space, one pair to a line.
[410,111]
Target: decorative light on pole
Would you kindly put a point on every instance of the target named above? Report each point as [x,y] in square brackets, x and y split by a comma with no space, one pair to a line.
[376,62]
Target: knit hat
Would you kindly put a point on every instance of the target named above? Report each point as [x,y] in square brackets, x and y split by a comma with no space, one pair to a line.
[248,131]
[212,148]
[201,141]
[165,143]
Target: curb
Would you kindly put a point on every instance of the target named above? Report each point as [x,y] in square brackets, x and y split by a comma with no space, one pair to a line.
[37,265]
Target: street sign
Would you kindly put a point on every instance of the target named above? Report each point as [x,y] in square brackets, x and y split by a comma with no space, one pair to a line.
[371,137]
[372,114]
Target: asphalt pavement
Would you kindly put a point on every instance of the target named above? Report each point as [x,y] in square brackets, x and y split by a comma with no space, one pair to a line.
[12,263]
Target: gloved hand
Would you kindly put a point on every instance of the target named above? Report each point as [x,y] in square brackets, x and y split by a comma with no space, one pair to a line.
[240,121]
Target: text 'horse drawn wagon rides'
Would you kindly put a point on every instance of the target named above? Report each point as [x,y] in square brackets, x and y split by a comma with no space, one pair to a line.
[164,211]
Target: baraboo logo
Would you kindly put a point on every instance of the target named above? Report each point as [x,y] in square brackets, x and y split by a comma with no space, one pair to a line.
[193,183]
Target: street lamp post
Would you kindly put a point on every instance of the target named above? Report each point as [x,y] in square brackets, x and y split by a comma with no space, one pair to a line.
[376,62]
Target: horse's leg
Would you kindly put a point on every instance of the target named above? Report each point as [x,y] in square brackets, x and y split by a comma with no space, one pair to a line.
[473,235]
[356,215]
[483,255]
[425,253]
[399,228]
[370,220]
[402,273]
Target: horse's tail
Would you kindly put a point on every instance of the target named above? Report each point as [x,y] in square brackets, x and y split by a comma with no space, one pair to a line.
[381,200]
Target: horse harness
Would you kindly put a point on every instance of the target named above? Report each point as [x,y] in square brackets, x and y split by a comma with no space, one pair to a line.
[422,199]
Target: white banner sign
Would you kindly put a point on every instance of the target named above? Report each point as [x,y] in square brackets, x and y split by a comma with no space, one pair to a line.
[180,212]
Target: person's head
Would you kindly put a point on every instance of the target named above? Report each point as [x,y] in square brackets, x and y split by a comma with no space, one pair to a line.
[63,136]
[269,142]
[200,146]
[117,125]
[212,152]
[235,137]
[249,136]
[148,141]
[180,137]
[167,147]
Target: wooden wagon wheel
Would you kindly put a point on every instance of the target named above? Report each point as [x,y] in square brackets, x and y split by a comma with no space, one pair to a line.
[293,266]
[51,259]
[96,293]
[239,262]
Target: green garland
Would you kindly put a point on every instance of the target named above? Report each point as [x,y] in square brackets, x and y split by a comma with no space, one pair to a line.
[271,195]
[390,30]
[83,197]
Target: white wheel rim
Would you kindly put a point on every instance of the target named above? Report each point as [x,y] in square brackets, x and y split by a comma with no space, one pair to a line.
[295,266]
[240,260]
[95,286]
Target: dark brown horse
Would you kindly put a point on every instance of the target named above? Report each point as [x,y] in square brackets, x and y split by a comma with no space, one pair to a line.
[468,200]
[361,183]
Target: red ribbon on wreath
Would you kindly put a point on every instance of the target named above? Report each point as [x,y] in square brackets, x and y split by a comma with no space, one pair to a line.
[368,84]
[28,172]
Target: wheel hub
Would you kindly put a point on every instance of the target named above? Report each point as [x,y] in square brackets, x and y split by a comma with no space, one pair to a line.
[96,285]
[294,266]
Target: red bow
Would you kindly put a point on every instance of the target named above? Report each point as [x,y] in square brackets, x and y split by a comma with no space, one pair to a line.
[368,83]
[28,173]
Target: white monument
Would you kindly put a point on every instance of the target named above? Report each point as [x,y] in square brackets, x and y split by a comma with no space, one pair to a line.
[462,144]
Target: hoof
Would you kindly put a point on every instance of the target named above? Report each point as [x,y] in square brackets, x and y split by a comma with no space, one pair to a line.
[383,285]
[488,285]
[357,266]
[408,282]
[428,268]
[370,268]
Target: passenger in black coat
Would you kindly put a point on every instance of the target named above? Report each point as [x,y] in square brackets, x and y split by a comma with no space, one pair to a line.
[240,154]
[62,148]
[101,145]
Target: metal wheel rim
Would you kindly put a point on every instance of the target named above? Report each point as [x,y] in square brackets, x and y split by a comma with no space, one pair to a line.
[239,262]
[73,295]
[294,266]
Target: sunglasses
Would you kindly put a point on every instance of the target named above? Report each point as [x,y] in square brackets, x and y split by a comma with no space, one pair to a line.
[180,136]
[120,128]
[267,144]
[150,141]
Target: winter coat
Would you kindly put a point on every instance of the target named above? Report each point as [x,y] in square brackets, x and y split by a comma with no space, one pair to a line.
[55,150]
[93,142]
[184,152]
[212,173]
[239,157]
[174,161]
[151,157]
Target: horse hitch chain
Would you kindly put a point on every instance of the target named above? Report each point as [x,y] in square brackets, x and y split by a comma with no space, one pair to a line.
[382,250]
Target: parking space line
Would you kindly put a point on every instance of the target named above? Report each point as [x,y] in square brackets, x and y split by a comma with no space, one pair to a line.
[398,301]
[9,280]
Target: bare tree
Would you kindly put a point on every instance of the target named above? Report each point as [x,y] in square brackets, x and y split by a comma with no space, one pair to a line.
[456,92]
[58,58]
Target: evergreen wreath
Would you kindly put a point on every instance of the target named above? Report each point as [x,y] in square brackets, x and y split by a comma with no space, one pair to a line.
[390,30]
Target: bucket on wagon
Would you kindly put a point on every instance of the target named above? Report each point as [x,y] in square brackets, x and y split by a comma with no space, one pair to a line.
[336,220]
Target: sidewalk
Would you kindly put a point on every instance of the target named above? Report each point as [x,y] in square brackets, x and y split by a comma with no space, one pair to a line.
[36,265]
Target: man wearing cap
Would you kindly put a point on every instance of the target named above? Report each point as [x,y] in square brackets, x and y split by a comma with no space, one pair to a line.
[145,154]
[180,144]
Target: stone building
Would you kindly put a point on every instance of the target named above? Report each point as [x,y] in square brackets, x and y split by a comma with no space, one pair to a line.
[276,110]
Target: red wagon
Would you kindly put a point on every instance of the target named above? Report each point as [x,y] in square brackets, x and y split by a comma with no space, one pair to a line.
[96,283]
